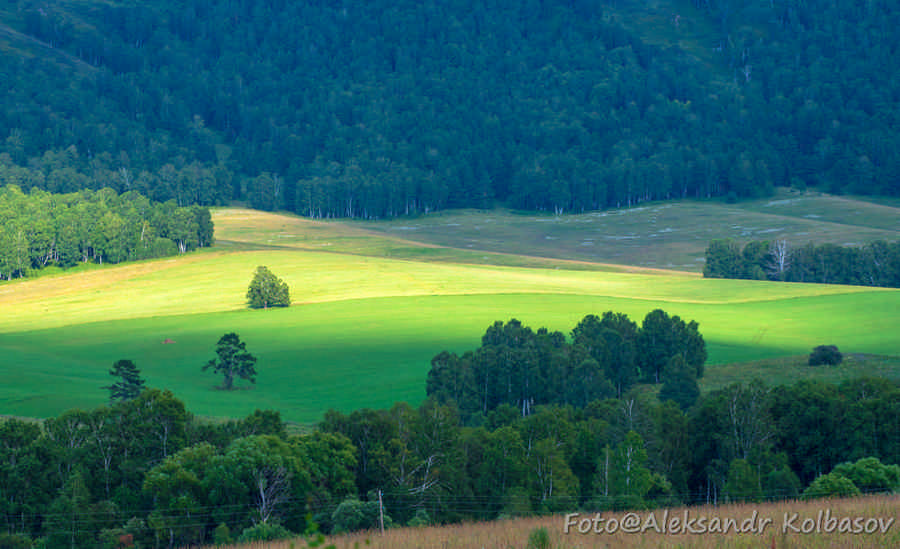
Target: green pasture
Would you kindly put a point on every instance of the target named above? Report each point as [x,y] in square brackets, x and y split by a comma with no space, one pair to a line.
[847,211]
[241,229]
[364,324]
[787,370]
[669,235]
[372,352]
[217,282]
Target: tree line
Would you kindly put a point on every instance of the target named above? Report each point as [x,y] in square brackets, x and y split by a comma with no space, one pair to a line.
[377,109]
[41,229]
[873,264]
[147,469]
[606,356]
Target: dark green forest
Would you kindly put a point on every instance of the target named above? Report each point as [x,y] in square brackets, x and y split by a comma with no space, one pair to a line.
[373,109]
[40,229]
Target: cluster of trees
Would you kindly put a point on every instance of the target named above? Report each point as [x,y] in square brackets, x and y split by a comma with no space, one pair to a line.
[146,469]
[40,229]
[873,264]
[519,367]
[741,443]
[377,109]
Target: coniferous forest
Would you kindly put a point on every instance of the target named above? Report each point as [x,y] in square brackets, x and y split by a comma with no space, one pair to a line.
[369,109]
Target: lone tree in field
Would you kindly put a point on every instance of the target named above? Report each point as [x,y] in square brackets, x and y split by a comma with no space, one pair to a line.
[825,354]
[130,385]
[233,361]
[267,290]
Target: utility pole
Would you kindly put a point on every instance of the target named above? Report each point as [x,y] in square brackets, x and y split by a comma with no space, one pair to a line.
[380,513]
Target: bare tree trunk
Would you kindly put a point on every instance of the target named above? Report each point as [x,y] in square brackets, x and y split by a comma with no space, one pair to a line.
[781,258]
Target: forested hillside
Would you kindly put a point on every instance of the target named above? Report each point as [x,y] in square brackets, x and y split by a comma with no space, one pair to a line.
[374,109]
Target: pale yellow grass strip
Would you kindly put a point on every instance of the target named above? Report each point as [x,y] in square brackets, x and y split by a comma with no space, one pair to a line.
[514,533]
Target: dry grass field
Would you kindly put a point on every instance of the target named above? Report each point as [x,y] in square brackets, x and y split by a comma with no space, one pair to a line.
[789,524]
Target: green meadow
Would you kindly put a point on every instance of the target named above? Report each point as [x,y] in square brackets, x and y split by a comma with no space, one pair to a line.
[666,235]
[369,314]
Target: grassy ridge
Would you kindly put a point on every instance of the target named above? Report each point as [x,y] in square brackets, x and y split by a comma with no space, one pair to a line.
[364,327]
[664,235]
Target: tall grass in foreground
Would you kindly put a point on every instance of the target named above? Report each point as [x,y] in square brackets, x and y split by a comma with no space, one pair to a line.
[514,533]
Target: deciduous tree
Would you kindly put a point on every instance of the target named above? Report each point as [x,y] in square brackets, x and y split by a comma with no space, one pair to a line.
[267,290]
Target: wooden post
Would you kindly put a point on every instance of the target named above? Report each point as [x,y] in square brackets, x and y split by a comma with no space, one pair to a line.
[380,513]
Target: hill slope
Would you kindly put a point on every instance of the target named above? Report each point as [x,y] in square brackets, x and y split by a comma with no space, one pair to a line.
[364,328]
[659,235]
[375,109]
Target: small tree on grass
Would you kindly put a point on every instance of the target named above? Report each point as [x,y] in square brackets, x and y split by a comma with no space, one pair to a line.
[233,361]
[267,290]
[825,354]
[130,385]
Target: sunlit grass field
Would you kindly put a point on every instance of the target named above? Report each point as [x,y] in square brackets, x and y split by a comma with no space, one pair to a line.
[365,324]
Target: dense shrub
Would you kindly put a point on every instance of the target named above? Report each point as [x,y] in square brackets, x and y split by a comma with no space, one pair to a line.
[539,539]
[871,475]
[222,535]
[352,515]
[825,354]
[831,485]
[265,532]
